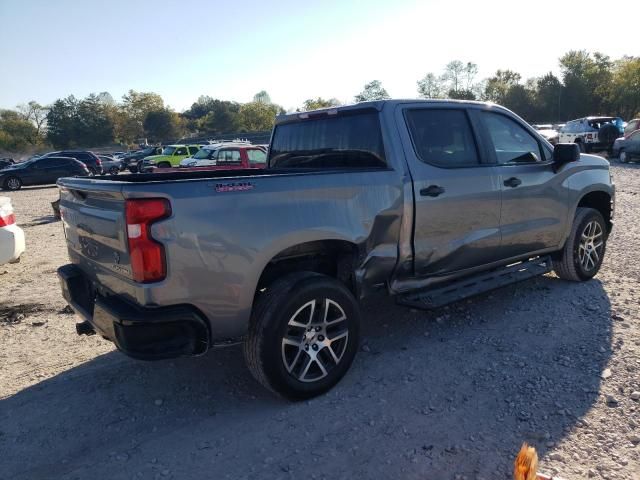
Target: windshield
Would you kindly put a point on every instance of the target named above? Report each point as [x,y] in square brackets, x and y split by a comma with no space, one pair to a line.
[168,150]
[204,153]
[350,140]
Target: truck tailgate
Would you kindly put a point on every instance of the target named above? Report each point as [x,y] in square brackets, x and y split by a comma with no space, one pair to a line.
[95,229]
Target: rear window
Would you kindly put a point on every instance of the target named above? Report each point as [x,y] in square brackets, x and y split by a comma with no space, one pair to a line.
[347,140]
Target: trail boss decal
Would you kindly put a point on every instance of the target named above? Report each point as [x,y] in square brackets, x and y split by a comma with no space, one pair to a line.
[234,187]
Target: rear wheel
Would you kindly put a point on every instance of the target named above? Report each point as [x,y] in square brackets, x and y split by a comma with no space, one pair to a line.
[303,335]
[12,183]
[114,170]
[583,253]
[164,165]
[623,157]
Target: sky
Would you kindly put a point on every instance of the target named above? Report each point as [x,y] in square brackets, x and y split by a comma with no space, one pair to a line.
[293,49]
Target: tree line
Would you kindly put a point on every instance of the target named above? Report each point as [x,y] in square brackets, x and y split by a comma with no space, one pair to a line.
[589,84]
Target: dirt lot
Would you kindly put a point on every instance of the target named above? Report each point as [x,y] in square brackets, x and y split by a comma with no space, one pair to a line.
[446,394]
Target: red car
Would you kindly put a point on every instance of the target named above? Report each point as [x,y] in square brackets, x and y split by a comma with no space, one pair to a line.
[226,156]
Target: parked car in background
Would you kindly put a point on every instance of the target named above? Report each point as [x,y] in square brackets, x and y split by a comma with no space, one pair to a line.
[6,162]
[41,171]
[171,156]
[388,197]
[90,159]
[548,132]
[110,165]
[226,155]
[592,133]
[131,159]
[627,149]
[632,126]
[12,244]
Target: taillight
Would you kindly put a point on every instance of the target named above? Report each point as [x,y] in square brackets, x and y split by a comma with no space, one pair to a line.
[147,255]
[7,216]
[98,162]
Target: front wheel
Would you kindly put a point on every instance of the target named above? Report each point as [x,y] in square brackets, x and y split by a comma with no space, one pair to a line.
[114,170]
[303,335]
[12,183]
[583,253]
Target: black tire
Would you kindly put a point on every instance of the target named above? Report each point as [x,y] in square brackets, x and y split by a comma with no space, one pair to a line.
[581,146]
[12,183]
[280,367]
[164,165]
[567,263]
[114,170]
[139,166]
[623,156]
[133,169]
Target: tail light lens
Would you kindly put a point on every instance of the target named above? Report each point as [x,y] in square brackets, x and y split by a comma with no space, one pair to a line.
[7,217]
[148,262]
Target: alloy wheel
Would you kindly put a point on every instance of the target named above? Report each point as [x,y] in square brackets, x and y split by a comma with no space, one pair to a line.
[315,340]
[13,184]
[591,246]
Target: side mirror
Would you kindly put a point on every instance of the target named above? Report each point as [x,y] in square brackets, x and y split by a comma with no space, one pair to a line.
[564,153]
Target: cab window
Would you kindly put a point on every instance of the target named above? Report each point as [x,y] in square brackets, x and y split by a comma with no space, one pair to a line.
[228,157]
[181,151]
[257,156]
[511,142]
[442,137]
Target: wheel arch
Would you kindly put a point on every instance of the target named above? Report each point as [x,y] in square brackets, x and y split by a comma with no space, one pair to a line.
[601,201]
[334,257]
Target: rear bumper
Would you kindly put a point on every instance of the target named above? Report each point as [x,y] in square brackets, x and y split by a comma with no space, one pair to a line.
[12,244]
[147,333]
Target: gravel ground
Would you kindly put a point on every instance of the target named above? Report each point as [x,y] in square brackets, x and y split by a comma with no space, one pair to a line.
[446,394]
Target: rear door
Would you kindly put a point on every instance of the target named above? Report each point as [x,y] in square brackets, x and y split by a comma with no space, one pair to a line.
[457,195]
[534,201]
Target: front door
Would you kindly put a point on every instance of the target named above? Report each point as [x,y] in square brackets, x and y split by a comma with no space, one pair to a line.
[534,200]
[457,195]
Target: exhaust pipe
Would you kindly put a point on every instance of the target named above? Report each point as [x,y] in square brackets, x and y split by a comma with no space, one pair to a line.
[85,328]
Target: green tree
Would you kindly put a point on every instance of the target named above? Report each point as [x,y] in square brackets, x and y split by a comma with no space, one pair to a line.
[319,102]
[462,94]
[497,86]
[549,97]
[62,122]
[94,125]
[454,73]
[35,113]
[431,86]
[624,92]
[372,91]
[163,125]
[135,107]
[262,97]
[256,116]
[16,133]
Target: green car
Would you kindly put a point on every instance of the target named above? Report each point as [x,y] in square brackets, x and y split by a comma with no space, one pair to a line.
[171,156]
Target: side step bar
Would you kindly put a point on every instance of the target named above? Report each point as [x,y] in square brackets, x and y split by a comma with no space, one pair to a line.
[476,284]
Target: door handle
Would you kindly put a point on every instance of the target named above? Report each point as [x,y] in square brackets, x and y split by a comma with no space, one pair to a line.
[432,191]
[512,182]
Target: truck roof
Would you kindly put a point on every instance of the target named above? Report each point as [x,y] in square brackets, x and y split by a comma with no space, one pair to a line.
[377,105]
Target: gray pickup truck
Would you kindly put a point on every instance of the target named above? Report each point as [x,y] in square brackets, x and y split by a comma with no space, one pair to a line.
[428,201]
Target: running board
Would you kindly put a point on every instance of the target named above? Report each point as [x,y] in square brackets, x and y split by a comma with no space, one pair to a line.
[476,284]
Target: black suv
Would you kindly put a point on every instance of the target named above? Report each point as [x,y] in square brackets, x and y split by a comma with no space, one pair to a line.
[41,171]
[131,160]
[90,159]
